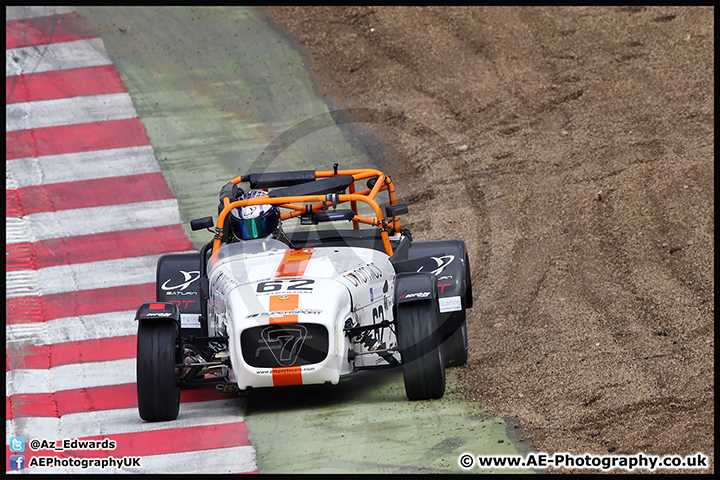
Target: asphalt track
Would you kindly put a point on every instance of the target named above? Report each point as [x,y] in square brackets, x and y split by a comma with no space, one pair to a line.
[213,87]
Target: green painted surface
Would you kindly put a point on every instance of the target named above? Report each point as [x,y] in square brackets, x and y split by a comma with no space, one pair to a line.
[214,87]
[367,425]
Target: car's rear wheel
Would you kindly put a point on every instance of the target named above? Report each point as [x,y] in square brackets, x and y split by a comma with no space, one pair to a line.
[455,347]
[468,279]
[157,377]
[422,355]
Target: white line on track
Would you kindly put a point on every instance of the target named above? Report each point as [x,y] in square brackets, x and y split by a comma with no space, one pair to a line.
[72,329]
[68,111]
[21,283]
[56,56]
[68,377]
[85,221]
[24,13]
[17,229]
[89,276]
[72,167]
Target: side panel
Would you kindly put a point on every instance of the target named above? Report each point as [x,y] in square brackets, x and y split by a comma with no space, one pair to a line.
[178,282]
[372,290]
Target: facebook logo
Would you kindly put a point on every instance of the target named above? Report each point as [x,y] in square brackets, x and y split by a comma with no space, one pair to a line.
[17,444]
[17,462]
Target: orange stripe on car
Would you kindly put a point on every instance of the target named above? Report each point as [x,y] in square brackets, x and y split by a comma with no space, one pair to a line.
[280,303]
[294,263]
[285,376]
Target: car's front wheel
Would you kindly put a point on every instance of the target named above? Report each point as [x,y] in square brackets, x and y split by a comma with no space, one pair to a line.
[422,355]
[157,377]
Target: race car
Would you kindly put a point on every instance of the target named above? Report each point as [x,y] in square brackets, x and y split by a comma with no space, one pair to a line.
[306,280]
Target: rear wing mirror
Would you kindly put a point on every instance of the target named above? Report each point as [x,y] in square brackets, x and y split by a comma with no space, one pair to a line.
[395,210]
[200,223]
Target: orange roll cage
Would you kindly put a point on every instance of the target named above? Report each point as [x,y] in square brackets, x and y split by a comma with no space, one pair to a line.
[298,204]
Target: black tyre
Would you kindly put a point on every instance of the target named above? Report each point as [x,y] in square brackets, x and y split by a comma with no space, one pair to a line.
[157,378]
[455,347]
[422,356]
[468,279]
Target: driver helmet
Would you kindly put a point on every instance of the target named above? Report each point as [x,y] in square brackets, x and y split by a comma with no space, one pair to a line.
[254,221]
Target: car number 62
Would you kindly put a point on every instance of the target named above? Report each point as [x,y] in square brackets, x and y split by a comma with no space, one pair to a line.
[277,285]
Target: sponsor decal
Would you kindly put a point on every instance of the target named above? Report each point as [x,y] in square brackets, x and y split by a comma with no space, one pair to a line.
[442,262]
[450,304]
[182,304]
[157,314]
[223,283]
[190,277]
[190,320]
[364,274]
[301,311]
[415,295]
[378,315]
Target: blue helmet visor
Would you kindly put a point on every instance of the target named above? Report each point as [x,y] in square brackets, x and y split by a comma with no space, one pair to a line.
[257,227]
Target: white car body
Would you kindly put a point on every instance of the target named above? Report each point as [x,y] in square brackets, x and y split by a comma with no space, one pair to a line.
[313,302]
[258,285]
